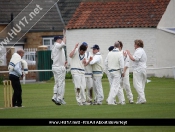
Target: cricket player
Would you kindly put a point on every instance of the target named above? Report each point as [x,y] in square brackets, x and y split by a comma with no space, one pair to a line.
[78,63]
[125,84]
[88,76]
[115,64]
[120,91]
[107,72]
[97,70]
[139,70]
[59,70]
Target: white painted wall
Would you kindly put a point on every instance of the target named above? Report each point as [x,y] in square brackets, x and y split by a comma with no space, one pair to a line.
[165,53]
[168,19]
[106,37]
[159,45]
[165,42]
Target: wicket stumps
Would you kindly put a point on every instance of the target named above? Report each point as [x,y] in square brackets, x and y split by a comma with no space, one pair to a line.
[7,93]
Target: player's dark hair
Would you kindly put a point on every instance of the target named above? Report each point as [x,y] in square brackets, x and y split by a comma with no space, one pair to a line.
[121,44]
[83,48]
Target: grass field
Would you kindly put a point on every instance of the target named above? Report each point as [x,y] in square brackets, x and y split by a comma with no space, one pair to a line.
[37,101]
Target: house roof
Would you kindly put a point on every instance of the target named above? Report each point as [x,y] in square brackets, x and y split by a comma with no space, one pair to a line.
[68,8]
[118,14]
[50,22]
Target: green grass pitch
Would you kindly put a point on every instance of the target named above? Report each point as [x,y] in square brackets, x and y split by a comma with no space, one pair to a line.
[160,95]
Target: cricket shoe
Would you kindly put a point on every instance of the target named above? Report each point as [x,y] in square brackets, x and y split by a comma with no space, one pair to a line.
[56,102]
[86,103]
[97,103]
[63,102]
[131,101]
[91,102]
[122,103]
[94,103]
[141,102]
[18,106]
[79,103]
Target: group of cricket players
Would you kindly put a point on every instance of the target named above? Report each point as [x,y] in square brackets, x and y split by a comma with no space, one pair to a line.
[87,69]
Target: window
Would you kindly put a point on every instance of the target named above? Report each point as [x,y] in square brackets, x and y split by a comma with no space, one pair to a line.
[2,56]
[49,42]
[29,55]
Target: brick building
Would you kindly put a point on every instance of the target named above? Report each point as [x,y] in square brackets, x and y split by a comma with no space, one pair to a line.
[40,34]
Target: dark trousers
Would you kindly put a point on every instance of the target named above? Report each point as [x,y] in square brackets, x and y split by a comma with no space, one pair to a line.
[17,94]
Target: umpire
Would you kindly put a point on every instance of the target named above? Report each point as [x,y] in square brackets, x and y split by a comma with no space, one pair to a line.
[14,76]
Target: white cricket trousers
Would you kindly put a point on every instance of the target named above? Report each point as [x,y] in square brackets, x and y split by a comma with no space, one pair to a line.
[115,85]
[139,80]
[59,77]
[98,89]
[110,82]
[120,94]
[89,88]
[127,88]
[80,86]
[125,84]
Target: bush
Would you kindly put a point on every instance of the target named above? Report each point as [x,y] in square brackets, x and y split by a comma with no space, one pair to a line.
[1,80]
[104,76]
[68,75]
[51,79]
[130,75]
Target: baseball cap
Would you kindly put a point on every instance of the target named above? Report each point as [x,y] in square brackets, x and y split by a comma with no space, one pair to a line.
[111,48]
[84,43]
[95,47]
[57,37]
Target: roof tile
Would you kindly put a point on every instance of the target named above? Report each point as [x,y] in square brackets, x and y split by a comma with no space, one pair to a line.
[118,14]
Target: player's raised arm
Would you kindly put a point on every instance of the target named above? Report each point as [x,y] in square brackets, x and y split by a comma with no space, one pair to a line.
[73,51]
